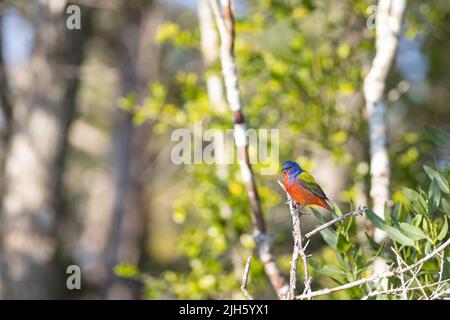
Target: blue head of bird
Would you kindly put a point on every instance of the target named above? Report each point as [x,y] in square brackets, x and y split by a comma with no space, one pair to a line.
[291,168]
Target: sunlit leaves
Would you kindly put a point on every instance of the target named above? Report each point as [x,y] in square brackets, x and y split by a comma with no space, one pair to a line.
[126,270]
[171,32]
[294,77]
[167,31]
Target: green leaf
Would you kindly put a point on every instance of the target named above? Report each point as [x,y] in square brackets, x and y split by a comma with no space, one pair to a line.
[430,266]
[415,200]
[396,212]
[330,237]
[446,207]
[314,264]
[396,235]
[336,210]
[387,214]
[374,245]
[341,260]
[332,271]
[446,269]
[351,226]
[417,220]
[412,231]
[376,255]
[428,248]
[393,233]
[376,220]
[326,270]
[318,215]
[444,230]
[438,137]
[342,244]
[434,197]
[442,182]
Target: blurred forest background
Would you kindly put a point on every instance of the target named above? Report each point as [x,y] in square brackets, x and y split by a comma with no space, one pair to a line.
[86,120]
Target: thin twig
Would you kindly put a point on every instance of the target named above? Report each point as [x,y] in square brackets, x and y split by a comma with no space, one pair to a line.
[441,274]
[358,212]
[440,294]
[414,274]
[248,265]
[298,250]
[400,290]
[376,276]
[306,277]
[295,252]
[402,279]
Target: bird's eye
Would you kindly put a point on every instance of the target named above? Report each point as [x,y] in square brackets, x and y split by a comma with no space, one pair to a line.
[289,168]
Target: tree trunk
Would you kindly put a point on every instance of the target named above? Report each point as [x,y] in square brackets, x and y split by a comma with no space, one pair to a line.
[388,26]
[138,54]
[5,125]
[34,164]
[214,85]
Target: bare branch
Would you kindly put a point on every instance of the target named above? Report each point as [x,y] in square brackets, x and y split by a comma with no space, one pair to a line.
[414,274]
[298,250]
[248,265]
[442,293]
[295,252]
[441,274]
[374,277]
[358,212]
[402,279]
[395,291]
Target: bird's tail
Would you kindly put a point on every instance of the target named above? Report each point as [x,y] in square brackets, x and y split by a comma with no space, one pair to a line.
[327,205]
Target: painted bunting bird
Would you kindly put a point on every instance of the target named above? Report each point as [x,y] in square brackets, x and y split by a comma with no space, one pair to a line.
[302,187]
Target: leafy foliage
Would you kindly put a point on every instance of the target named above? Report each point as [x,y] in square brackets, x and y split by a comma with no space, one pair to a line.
[309,87]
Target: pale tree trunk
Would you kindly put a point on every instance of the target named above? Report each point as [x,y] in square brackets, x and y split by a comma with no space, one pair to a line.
[138,55]
[225,24]
[214,85]
[388,26]
[42,116]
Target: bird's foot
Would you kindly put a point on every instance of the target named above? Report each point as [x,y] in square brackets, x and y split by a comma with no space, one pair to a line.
[298,207]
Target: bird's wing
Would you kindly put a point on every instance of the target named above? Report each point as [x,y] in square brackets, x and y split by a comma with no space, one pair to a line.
[308,182]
